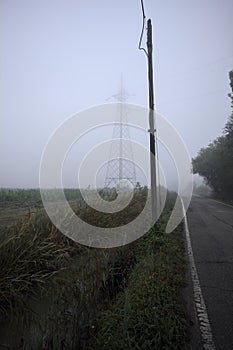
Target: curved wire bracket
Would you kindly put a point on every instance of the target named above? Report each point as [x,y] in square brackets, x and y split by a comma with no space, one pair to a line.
[143,28]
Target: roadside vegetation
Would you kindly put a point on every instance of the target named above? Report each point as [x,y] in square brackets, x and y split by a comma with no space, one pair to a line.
[55,293]
[215,162]
[149,312]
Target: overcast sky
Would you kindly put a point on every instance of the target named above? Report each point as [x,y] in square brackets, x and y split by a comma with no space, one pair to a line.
[60,57]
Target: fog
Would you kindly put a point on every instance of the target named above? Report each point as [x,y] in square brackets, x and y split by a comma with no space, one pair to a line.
[62,57]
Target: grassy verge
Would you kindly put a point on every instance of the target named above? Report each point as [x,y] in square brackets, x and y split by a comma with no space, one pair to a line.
[149,313]
[61,288]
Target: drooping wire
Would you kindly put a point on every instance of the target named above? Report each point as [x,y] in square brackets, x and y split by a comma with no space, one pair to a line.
[143,29]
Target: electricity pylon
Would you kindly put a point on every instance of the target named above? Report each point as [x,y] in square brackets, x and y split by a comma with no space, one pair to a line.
[119,167]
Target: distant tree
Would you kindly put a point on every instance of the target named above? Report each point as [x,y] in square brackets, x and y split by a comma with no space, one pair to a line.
[203,190]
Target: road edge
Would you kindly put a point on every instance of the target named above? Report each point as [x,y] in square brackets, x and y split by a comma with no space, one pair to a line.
[201,334]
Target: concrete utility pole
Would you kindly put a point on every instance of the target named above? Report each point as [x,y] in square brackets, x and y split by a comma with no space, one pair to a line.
[151,119]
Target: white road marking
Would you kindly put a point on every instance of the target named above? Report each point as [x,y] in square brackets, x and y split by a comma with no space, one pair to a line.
[202,315]
[227,205]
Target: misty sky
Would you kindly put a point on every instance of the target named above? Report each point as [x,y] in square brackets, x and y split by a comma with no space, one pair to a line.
[60,57]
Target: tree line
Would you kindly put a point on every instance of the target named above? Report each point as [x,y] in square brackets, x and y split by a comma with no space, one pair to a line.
[215,162]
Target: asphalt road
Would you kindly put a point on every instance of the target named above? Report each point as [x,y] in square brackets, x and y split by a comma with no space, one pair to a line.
[211,231]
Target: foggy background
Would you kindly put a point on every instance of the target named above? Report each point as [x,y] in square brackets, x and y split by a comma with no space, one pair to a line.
[60,57]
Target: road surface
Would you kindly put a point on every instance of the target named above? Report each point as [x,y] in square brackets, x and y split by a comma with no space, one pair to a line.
[211,231]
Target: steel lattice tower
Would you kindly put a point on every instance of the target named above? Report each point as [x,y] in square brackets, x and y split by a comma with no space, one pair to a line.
[120,167]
